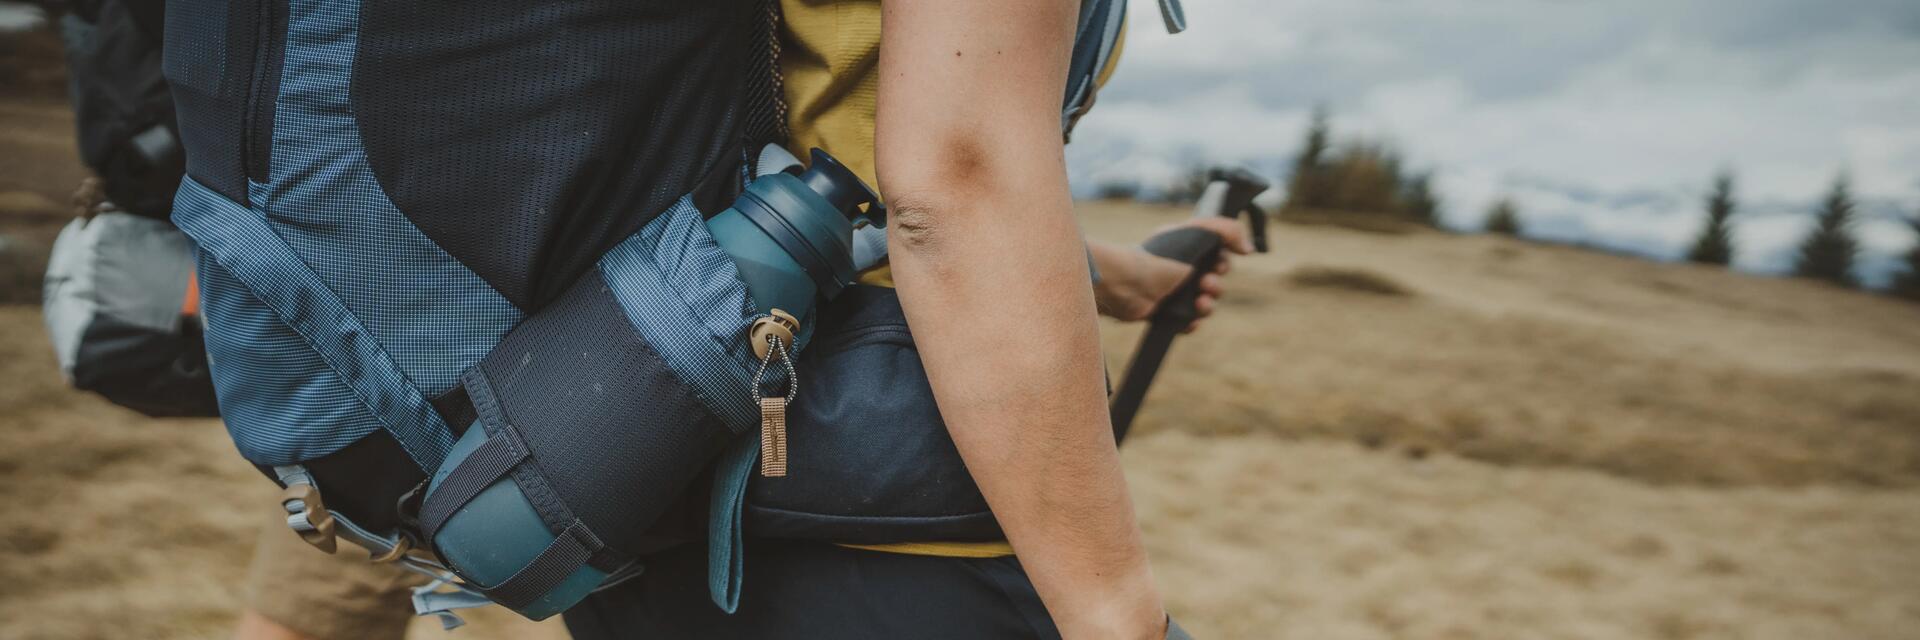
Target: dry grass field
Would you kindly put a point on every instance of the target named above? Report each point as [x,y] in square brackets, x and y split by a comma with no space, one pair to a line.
[1381,435]
[1426,435]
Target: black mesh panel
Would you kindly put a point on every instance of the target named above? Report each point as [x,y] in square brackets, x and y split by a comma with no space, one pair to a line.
[617,437]
[267,67]
[766,103]
[527,139]
[208,58]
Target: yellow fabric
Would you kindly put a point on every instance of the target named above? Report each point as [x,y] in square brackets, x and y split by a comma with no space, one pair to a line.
[1113,57]
[946,549]
[829,62]
[829,56]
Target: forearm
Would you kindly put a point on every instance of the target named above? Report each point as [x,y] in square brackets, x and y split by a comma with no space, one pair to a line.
[991,273]
[1117,265]
[1012,351]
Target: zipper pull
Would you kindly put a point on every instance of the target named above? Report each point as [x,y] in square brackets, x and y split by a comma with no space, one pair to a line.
[773,437]
[770,337]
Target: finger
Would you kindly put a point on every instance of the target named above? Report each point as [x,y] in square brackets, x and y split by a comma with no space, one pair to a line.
[1211,285]
[1192,327]
[1233,236]
[1204,305]
[1222,266]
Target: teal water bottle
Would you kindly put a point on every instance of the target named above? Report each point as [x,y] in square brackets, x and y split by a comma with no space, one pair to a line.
[791,234]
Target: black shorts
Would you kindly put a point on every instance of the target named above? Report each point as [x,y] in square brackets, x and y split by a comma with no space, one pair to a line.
[813,590]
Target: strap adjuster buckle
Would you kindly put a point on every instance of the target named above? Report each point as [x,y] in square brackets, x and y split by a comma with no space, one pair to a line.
[307,515]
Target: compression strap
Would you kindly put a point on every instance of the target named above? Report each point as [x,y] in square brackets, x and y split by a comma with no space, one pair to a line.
[502,451]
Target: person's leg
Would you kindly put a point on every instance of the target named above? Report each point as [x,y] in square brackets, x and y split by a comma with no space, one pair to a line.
[296,592]
[815,590]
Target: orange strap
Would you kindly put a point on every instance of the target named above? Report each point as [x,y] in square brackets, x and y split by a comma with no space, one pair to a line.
[191,305]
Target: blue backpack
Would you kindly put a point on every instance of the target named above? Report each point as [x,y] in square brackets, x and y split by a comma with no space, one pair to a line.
[476,232]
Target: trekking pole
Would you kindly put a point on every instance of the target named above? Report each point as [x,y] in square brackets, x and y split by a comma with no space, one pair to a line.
[1229,192]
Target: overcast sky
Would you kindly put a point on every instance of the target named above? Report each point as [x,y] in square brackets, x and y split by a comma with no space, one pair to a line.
[1604,120]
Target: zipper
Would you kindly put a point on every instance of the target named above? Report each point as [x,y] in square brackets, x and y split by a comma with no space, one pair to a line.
[255,148]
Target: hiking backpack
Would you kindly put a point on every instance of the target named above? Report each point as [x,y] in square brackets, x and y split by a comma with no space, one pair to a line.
[117,298]
[123,113]
[477,231]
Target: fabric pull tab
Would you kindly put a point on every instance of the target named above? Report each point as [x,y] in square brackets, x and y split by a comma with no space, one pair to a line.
[773,409]
[773,437]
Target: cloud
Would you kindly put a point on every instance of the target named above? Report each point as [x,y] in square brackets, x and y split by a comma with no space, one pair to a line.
[1604,121]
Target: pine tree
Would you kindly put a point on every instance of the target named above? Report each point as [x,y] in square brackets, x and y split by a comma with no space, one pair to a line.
[1307,188]
[1906,284]
[1419,202]
[1503,218]
[1828,252]
[1362,177]
[1715,245]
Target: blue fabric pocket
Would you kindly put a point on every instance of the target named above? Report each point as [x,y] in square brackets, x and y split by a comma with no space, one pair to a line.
[869,460]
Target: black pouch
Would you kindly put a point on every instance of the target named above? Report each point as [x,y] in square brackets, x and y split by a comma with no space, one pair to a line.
[869,460]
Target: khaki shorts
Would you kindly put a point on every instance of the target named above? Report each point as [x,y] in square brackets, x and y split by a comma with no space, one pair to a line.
[339,596]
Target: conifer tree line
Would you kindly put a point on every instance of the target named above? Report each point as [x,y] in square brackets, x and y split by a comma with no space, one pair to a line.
[1369,177]
[1359,177]
[1830,251]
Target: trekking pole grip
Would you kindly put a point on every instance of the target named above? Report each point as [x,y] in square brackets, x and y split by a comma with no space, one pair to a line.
[1200,250]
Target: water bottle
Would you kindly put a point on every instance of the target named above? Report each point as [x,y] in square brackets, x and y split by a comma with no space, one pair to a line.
[791,234]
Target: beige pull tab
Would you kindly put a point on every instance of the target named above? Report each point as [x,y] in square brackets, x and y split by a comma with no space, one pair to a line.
[770,337]
[773,437]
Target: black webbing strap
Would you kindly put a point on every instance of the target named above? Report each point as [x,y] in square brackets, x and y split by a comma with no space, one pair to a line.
[502,451]
[565,555]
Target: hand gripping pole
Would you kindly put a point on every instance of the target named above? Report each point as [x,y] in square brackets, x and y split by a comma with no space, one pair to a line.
[1229,192]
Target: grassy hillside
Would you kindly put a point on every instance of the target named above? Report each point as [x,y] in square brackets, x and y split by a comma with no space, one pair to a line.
[1522,354]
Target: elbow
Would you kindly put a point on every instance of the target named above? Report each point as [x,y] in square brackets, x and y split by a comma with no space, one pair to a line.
[917,224]
[948,192]
[932,197]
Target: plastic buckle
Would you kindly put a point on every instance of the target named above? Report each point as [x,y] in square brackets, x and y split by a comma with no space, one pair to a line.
[307,515]
[777,323]
[401,545]
[428,599]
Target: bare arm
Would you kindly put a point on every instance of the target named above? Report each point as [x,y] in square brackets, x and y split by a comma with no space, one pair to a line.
[993,277]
